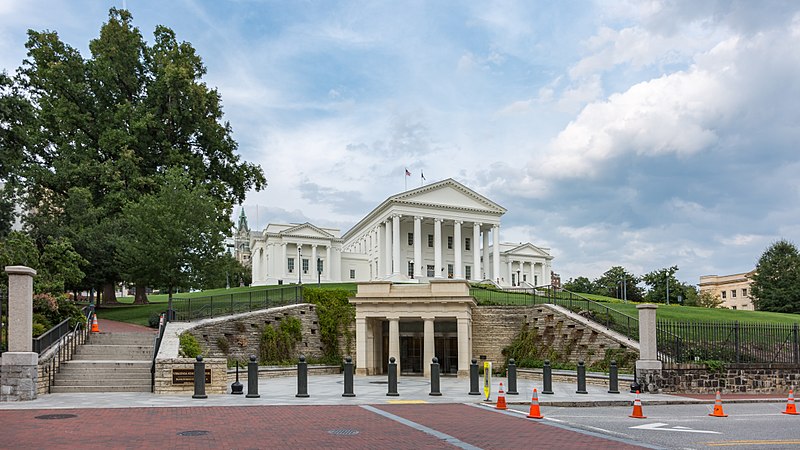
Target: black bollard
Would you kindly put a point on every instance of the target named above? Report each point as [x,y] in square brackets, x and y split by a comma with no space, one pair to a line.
[199,378]
[392,378]
[252,378]
[302,377]
[473,378]
[348,377]
[581,378]
[547,378]
[512,378]
[613,378]
[237,388]
[435,377]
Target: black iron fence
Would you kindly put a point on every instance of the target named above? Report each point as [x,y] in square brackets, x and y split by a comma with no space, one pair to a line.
[189,309]
[599,313]
[729,342]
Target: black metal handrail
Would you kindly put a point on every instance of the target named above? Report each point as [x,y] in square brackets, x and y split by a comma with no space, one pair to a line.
[162,325]
[42,343]
[66,346]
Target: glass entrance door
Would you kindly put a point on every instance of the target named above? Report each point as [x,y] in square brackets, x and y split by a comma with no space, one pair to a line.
[411,355]
[447,353]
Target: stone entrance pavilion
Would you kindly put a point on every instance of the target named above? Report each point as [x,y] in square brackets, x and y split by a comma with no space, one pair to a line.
[413,323]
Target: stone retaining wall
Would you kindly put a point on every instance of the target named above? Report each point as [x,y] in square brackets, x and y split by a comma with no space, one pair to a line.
[495,327]
[699,379]
[278,372]
[164,375]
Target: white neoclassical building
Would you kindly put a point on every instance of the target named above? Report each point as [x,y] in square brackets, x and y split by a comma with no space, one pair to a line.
[438,231]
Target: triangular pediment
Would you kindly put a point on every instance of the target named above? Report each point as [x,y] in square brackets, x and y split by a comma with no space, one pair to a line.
[448,193]
[307,230]
[528,249]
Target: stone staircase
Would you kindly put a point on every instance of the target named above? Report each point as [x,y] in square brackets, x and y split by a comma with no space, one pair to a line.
[108,362]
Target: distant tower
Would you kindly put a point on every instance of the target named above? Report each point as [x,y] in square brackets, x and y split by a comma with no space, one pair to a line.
[242,240]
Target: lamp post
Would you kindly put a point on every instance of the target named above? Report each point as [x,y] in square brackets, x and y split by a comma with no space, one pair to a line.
[299,264]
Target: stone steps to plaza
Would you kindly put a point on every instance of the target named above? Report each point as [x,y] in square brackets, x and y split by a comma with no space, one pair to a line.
[108,362]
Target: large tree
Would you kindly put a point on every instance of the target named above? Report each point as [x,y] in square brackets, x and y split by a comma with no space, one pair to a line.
[776,281]
[665,288]
[104,131]
[618,282]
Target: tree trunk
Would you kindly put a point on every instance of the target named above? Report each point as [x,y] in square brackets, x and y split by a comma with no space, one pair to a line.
[140,298]
[110,294]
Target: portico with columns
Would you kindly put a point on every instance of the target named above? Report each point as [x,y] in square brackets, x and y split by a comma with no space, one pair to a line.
[295,253]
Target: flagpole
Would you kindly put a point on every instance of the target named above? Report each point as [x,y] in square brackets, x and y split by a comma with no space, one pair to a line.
[405,181]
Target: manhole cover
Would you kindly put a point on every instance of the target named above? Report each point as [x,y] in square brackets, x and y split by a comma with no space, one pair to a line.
[343,432]
[193,433]
[56,416]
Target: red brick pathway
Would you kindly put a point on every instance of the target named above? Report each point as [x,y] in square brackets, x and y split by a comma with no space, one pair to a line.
[112,326]
[283,427]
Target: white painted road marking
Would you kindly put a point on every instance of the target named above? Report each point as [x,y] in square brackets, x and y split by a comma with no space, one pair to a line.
[660,426]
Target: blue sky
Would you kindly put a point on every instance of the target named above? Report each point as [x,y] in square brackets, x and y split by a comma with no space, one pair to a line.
[641,134]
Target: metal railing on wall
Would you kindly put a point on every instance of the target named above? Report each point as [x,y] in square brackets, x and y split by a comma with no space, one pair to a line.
[599,313]
[729,342]
[64,348]
[189,309]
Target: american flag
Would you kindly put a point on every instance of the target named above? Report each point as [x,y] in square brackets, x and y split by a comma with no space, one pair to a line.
[408,174]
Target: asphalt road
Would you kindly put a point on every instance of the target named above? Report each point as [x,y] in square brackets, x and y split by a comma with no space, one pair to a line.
[748,425]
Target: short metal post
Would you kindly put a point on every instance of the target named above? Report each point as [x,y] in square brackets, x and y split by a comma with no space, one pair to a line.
[302,377]
[392,378]
[473,378]
[237,388]
[547,378]
[252,378]
[348,377]
[512,378]
[435,377]
[613,378]
[199,378]
[581,378]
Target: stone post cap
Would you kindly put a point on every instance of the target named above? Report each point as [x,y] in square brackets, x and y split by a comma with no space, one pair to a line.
[647,306]
[20,270]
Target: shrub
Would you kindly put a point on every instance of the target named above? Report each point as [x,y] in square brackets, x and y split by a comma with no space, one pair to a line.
[189,347]
[223,344]
[336,315]
[277,344]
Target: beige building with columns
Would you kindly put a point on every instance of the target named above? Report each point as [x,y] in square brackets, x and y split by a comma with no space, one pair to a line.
[443,230]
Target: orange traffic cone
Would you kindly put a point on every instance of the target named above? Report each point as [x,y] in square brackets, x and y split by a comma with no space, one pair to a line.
[637,408]
[95,326]
[718,407]
[790,408]
[534,413]
[501,399]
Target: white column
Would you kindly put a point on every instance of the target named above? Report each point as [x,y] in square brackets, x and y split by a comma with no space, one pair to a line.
[476,254]
[457,244]
[328,263]
[464,350]
[388,262]
[396,244]
[283,261]
[313,263]
[486,271]
[379,252]
[427,346]
[361,346]
[496,252]
[437,248]
[510,271]
[394,341]
[418,247]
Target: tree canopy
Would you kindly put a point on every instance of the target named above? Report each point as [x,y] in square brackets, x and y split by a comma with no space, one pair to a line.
[663,281]
[104,131]
[776,281]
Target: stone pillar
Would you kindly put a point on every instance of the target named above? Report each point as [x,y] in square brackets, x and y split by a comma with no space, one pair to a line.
[510,271]
[457,272]
[648,367]
[437,248]
[396,244]
[476,254]
[428,349]
[418,265]
[464,350]
[485,274]
[313,263]
[388,256]
[361,346]
[496,253]
[19,372]
[327,266]
[394,340]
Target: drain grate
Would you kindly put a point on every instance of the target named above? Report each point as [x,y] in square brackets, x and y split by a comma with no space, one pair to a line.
[194,433]
[343,432]
[56,416]
[379,382]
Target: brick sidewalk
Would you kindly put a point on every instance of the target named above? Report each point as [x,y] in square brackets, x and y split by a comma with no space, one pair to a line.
[350,427]
[112,326]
